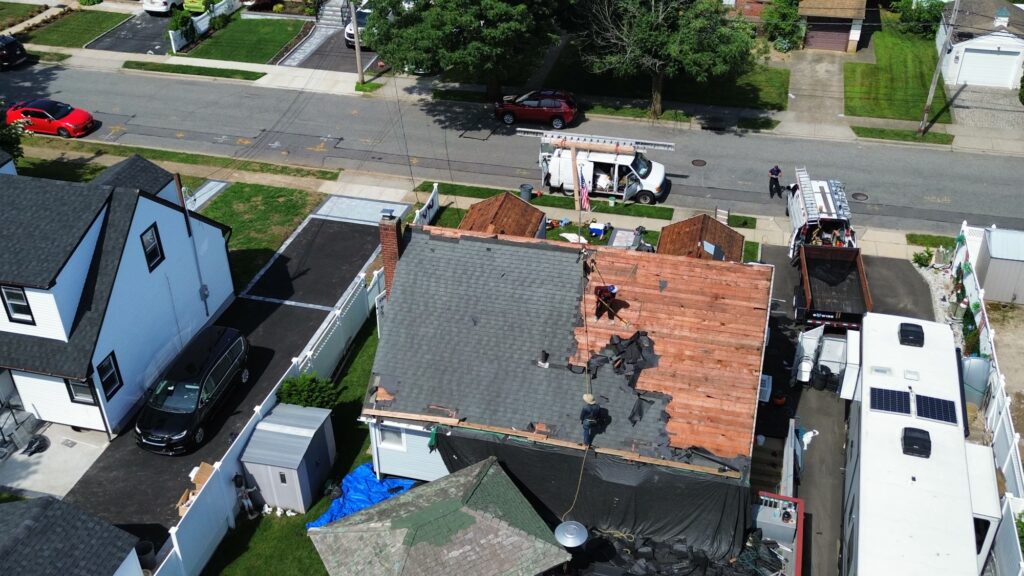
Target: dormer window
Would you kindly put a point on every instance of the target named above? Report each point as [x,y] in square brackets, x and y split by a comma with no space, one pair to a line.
[152,247]
[16,305]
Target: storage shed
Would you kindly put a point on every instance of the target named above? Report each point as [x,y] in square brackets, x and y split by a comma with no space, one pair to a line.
[1000,266]
[290,455]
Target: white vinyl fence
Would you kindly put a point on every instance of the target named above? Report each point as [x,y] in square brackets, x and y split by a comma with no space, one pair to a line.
[1006,550]
[197,535]
[202,23]
[429,210]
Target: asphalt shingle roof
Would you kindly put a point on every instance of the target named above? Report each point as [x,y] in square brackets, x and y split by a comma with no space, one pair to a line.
[47,537]
[474,521]
[135,172]
[43,222]
[4,158]
[69,359]
[978,18]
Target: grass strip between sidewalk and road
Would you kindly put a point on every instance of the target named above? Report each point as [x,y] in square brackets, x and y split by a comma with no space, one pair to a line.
[738,221]
[49,56]
[454,95]
[77,170]
[75,29]
[931,241]
[193,70]
[761,123]
[597,205]
[368,86]
[261,217]
[155,154]
[255,40]
[902,135]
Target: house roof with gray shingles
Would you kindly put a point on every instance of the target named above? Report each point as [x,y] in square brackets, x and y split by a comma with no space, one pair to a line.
[5,158]
[135,172]
[474,521]
[47,537]
[978,18]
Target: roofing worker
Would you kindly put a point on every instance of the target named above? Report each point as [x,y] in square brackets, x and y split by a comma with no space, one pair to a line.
[590,417]
[605,297]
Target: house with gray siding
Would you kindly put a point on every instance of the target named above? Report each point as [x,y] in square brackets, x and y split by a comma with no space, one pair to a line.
[102,284]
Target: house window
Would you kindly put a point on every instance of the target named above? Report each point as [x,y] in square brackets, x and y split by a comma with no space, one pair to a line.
[282,477]
[152,247]
[80,392]
[392,438]
[110,376]
[16,304]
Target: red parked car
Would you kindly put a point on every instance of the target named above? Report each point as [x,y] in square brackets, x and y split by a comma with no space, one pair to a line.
[51,117]
[554,107]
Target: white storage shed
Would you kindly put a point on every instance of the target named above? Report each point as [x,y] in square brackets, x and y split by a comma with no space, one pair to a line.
[290,455]
[1000,266]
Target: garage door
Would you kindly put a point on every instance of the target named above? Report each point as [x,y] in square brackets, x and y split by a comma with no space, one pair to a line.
[827,35]
[988,68]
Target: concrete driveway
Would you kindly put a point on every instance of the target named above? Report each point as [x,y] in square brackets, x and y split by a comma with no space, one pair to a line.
[983,107]
[143,33]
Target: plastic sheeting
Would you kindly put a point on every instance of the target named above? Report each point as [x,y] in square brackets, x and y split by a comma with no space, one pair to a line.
[711,513]
[360,490]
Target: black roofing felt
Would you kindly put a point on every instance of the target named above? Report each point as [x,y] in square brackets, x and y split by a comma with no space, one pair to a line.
[46,537]
[43,222]
[465,323]
[4,158]
[69,359]
[135,172]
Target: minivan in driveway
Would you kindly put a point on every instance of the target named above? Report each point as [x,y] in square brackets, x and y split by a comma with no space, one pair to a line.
[179,409]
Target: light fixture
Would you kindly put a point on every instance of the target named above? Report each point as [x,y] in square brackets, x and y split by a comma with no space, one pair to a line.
[571,534]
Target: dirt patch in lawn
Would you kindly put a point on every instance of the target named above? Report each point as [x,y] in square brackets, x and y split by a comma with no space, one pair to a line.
[1008,322]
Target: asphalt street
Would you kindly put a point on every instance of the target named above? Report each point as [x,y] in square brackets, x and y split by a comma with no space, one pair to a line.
[907,187]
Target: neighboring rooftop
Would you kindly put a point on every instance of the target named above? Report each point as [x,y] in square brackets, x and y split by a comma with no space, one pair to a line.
[47,537]
[1005,244]
[504,214]
[851,9]
[5,158]
[701,237]
[978,18]
[502,301]
[929,498]
[135,172]
[475,519]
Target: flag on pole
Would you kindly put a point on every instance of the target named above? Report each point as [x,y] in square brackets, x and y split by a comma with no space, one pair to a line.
[584,192]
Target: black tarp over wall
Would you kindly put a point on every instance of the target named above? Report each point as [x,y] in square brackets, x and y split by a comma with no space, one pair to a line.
[648,501]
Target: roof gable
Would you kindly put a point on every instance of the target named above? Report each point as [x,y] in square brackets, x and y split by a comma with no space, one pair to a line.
[135,172]
[686,239]
[504,214]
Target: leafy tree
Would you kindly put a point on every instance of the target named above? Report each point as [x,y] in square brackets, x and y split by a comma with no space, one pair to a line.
[781,21]
[665,39]
[492,40]
[920,17]
[10,136]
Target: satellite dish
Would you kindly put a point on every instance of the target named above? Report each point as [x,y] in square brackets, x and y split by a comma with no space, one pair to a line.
[571,534]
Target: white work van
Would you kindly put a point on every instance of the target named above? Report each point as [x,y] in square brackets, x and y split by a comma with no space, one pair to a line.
[819,214]
[627,174]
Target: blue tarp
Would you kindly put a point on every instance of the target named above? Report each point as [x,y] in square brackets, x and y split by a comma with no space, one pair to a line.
[360,490]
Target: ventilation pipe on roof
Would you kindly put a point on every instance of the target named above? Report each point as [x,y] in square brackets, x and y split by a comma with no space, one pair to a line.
[542,361]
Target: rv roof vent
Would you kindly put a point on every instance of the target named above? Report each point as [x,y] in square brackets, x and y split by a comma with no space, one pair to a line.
[911,335]
[917,442]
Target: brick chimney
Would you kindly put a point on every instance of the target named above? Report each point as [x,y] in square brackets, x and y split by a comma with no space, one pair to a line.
[390,248]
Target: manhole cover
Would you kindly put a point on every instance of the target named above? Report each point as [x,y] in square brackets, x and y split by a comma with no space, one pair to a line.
[859,196]
[699,163]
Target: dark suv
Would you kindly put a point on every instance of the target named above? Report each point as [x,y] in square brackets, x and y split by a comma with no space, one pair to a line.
[554,107]
[12,52]
[181,405]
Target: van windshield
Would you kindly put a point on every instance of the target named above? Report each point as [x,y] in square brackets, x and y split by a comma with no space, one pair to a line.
[641,165]
[171,396]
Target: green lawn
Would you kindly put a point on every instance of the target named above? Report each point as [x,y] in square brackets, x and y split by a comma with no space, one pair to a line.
[639,112]
[902,135]
[751,251]
[737,221]
[50,56]
[896,86]
[762,123]
[257,40]
[368,86]
[280,546]
[76,29]
[931,241]
[261,217]
[12,14]
[192,70]
[763,87]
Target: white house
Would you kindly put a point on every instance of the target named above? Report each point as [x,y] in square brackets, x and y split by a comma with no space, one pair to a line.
[987,48]
[6,163]
[919,499]
[102,284]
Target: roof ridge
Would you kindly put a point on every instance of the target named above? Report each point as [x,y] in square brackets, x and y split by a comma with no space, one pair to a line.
[480,476]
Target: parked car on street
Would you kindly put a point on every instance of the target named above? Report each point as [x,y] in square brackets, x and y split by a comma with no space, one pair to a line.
[556,108]
[12,52]
[51,117]
[161,6]
[179,409]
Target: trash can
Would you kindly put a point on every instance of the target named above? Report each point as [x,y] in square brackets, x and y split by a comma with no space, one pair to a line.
[526,191]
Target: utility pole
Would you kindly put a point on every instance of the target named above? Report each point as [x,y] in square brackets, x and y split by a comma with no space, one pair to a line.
[938,67]
[355,34]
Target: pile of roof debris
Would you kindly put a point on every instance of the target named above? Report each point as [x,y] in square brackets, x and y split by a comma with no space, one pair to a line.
[612,556]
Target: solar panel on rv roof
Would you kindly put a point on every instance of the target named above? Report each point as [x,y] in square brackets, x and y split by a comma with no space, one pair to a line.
[936,409]
[895,401]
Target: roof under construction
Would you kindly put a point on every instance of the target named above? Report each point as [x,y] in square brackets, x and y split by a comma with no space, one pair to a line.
[677,368]
[504,214]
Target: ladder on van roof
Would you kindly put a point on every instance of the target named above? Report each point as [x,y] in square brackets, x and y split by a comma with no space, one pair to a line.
[549,137]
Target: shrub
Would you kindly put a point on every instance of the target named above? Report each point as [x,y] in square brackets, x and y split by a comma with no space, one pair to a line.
[924,258]
[181,20]
[278,8]
[220,21]
[919,17]
[308,390]
[309,11]
[782,24]
[89,2]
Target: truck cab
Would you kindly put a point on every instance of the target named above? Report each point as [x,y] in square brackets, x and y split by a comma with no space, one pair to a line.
[819,214]
[623,172]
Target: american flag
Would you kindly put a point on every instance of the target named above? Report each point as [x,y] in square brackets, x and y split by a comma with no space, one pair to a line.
[584,192]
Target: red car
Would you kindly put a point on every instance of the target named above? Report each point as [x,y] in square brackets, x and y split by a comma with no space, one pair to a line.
[554,107]
[51,117]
